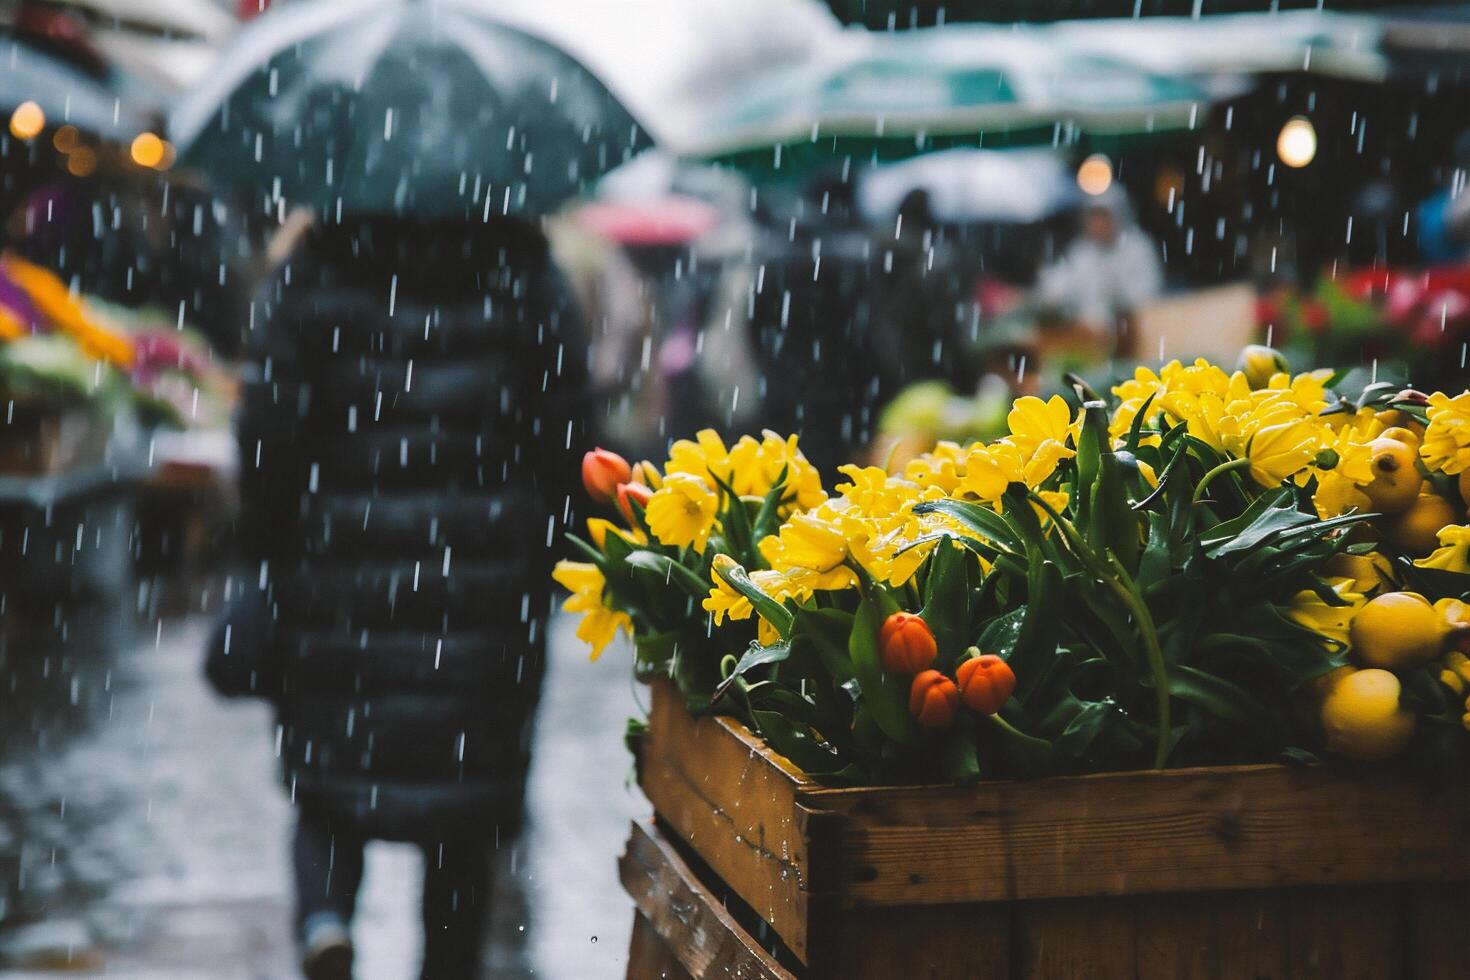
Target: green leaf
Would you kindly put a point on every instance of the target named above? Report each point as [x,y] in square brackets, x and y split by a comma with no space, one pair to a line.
[755,656]
[767,518]
[999,636]
[670,571]
[1036,644]
[771,610]
[959,761]
[828,631]
[795,742]
[978,518]
[887,695]
[946,601]
[1219,697]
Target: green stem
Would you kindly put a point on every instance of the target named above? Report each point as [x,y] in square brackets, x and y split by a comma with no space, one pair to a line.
[1226,467]
[1016,733]
[1114,577]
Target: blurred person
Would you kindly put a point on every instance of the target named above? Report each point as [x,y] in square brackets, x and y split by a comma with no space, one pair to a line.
[920,302]
[1444,217]
[405,433]
[1107,273]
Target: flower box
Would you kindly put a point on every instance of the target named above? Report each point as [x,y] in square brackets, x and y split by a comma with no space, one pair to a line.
[1239,871]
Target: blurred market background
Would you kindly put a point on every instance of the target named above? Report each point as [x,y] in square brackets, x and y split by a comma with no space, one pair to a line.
[871,222]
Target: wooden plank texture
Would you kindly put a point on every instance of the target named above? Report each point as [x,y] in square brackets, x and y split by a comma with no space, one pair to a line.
[734,802]
[649,957]
[1184,830]
[692,924]
[956,942]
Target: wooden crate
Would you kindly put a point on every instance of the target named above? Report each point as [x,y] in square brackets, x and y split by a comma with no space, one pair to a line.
[1245,871]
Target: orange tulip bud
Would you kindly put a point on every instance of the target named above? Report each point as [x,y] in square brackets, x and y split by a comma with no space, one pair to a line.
[906,644]
[602,471]
[934,700]
[630,493]
[986,683]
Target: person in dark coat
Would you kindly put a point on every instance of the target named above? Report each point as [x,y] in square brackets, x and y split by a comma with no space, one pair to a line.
[405,440]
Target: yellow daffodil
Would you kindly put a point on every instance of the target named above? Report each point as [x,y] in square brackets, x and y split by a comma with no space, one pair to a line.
[1453,554]
[1035,424]
[724,601]
[1279,452]
[1446,444]
[1330,622]
[807,541]
[599,528]
[683,512]
[599,623]
[700,457]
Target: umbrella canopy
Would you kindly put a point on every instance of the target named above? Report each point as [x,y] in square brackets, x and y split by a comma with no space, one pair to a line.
[436,108]
[1016,186]
[172,43]
[887,96]
[66,93]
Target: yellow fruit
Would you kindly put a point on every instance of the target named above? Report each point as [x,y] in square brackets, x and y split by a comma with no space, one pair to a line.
[1398,433]
[1397,631]
[1417,529]
[1362,718]
[1396,479]
[1396,418]
[1322,684]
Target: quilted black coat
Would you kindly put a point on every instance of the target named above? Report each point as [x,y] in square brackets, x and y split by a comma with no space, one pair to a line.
[406,435]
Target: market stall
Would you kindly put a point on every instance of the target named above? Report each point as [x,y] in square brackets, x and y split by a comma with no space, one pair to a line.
[1204,634]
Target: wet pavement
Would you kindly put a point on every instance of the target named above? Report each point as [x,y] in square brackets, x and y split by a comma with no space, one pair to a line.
[143,833]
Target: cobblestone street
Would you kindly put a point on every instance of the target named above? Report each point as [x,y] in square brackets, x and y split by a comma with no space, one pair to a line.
[143,832]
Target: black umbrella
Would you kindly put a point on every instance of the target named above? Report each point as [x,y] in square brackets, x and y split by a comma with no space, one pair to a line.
[433,108]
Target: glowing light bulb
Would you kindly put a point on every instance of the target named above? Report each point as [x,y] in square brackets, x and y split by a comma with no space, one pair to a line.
[147,150]
[1095,175]
[1297,144]
[27,120]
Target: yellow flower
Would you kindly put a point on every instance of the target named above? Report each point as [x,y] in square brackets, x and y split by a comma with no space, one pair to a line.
[1446,444]
[1331,622]
[1453,554]
[599,528]
[807,541]
[1279,452]
[1035,424]
[600,623]
[724,601]
[683,512]
[803,482]
[988,470]
[705,455]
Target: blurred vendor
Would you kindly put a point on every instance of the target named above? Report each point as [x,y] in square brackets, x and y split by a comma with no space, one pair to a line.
[1108,272]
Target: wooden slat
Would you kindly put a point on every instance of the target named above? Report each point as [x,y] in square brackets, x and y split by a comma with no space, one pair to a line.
[734,802]
[1184,830]
[1345,934]
[957,942]
[1439,916]
[1064,940]
[649,957]
[707,942]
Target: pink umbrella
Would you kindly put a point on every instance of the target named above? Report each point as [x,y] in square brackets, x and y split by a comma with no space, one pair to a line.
[671,220]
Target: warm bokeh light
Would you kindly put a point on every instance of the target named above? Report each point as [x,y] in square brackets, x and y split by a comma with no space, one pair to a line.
[1297,144]
[66,139]
[27,120]
[147,150]
[1095,175]
[81,161]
